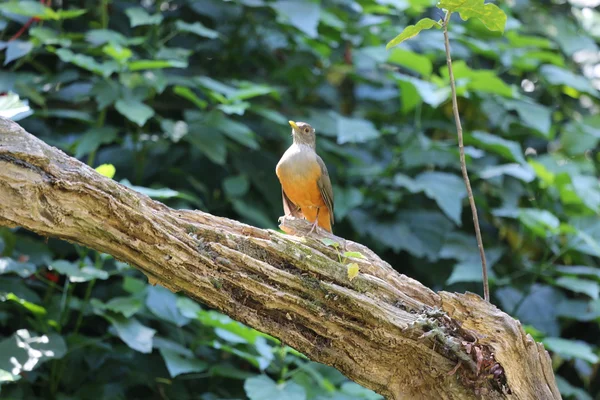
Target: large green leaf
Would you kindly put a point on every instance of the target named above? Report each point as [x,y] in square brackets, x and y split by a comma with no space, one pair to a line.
[491,16]
[127,306]
[355,130]
[104,69]
[17,49]
[138,16]
[76,273]
[94,138]
[23,269]
[302,15]
[448,191]
[34,9]
[197,29]
[137,336]
[178,364]
[570,349]
[264,388]
[506,148]
[24,351]
[163,303]
[134,110]
[577,285]
[561,76]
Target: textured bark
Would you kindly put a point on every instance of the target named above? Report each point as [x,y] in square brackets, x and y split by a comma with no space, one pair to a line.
[382,329]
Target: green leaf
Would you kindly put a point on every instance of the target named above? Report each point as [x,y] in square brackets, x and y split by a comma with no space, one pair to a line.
[88,63]
[491,16]
[188,307]
[448,191]
[413,30]
[579,270]
[479,80]
[236,186]
[23,269]
[134,110]
[518,171]
[570,349]
[98,37]
[264,388]
[133,285]
[117,52]
[570,391]
[231,128]
[135,335]
[24,351]
[17,49]
[77,274]
[92,139]
[579,310]
[411,60]
[588,189]
[329,242]
[196,28]
[187,93]
[28,8]
[127,306]
[538,307]
[541,222]
[156,64]
[163,303]
[107,170]
[414,90]
[355,130]
[302,15]
[223,322]
[358,392]
[532,114]
[577,285]
[178,365]
[138,16]
[160,194]
[560,76]
[506,148]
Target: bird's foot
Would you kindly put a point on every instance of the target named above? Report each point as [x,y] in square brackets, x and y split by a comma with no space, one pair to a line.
[314,226]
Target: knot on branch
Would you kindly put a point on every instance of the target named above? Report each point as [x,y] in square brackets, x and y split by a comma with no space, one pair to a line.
[450,339]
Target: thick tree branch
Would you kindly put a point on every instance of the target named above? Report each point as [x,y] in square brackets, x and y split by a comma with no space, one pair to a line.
[382,329]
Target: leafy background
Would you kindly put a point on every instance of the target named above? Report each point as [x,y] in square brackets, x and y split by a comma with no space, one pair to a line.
[189,101]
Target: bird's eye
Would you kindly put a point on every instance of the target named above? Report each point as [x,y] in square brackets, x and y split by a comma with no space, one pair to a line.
[306,130]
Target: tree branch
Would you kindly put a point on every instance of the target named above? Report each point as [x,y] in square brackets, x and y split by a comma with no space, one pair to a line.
[382,329]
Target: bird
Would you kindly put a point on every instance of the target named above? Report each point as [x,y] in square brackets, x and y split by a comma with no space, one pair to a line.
[305,184]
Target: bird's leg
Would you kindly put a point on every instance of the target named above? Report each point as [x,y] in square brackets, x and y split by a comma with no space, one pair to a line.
[314,225]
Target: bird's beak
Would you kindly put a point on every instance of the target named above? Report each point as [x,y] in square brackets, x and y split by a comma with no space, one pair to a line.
[293,125]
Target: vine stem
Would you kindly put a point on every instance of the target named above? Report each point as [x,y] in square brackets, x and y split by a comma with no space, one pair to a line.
[463,162]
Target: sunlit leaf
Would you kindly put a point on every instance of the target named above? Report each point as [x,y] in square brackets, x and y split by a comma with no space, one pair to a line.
[491,16]
[413,30]
[353,270]
[107,170]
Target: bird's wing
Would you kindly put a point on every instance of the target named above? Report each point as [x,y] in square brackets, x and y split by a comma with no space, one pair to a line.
[324,184]
[289,208]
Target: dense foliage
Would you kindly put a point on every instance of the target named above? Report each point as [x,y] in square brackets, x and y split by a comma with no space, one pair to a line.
[189,101]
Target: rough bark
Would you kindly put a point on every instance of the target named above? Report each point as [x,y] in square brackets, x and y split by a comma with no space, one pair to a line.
[382,329]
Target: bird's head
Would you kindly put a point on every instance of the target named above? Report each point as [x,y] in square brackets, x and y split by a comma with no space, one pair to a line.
[303,133]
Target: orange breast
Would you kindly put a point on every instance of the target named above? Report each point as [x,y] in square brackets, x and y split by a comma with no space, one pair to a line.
[298,174]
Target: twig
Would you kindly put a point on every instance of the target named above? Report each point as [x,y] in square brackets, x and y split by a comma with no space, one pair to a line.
[463,163]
